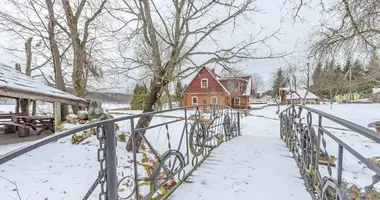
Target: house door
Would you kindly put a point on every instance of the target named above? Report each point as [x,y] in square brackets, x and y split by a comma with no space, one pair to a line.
[283,97]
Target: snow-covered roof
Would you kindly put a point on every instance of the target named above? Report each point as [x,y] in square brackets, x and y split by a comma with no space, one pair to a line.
[375,90]
[18,85]
[301,94]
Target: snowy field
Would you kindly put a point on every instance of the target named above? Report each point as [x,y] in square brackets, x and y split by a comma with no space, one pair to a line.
[61,170]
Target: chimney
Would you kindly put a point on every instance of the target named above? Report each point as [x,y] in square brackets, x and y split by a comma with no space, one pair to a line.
[213,71]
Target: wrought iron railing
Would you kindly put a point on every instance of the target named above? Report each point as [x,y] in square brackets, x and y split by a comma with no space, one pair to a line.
[198,130]
[309,148]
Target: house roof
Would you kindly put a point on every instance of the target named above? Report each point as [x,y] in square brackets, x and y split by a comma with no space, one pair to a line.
[301,94]
[213,74]
[14,84]
[248,89]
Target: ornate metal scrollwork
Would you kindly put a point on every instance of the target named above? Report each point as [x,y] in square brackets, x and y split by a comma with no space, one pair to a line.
[197,138]
[130,183]
[331,191]
[165,168]
[227,125]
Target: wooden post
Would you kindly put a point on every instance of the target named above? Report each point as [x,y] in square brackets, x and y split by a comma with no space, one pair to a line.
[57,115]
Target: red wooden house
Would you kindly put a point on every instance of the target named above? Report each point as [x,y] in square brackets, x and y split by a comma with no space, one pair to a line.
[209,88]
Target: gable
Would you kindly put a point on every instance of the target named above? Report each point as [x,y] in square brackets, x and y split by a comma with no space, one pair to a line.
[213,84]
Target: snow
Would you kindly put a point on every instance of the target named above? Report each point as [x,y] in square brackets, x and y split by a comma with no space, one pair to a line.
[13,80]
[246,167]
[302,93]
[251,166]
[375,90]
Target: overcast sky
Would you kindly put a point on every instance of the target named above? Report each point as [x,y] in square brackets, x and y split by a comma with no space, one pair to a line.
[291,34]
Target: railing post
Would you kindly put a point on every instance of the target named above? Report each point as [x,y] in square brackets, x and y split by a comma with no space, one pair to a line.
[134,152]
[340,164]
[111,162]
[319,138]
[238,123]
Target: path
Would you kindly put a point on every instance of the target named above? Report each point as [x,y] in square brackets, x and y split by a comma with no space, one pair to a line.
[256,165]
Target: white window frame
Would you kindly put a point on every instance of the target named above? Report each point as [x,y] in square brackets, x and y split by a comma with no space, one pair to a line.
[204,79]
[192,100]
[237,102]
[216,99]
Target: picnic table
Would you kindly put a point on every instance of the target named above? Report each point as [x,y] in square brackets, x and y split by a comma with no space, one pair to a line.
[43,122]
[22,124]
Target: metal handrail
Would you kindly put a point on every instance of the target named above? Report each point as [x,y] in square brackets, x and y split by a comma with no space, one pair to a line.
[107,176]
[307,145]
[23,150]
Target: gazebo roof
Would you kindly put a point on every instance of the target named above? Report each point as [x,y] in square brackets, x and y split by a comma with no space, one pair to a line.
[14,84]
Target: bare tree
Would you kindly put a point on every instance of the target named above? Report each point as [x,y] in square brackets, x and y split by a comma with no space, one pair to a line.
[257,83]
[184,26]
[30,23]
[79,44]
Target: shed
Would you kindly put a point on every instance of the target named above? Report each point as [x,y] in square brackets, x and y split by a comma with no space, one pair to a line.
[16,85]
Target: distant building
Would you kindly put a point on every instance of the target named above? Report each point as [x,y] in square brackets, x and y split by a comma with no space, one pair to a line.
[209,88]
[296,96]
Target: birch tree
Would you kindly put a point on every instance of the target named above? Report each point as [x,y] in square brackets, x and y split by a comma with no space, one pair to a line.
[185,27]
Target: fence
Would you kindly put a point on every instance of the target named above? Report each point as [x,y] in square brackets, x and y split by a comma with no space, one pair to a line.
[191,133]
[309,149]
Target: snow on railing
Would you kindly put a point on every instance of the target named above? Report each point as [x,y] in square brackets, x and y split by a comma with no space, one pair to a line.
[310,150]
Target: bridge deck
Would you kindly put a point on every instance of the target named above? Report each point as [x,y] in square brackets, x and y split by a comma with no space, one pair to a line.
[256,165]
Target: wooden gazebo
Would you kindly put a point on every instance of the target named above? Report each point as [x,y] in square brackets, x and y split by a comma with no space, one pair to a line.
[16,85]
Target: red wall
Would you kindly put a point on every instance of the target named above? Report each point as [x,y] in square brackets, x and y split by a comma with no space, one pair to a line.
[195,85]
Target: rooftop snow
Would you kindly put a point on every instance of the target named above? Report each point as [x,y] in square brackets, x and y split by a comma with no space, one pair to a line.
[302,92]
[12,81]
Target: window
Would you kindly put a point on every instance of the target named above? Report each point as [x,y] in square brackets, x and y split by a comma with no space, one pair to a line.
[194,100]
[236,85]
[214,100]
[204,83]
[237,100]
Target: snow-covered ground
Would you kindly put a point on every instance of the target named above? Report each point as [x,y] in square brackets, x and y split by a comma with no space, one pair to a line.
[247,167]
[256,165]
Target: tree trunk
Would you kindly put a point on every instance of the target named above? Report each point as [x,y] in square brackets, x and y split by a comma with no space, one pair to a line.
[169,97]
[59,81]
[154,95]
[28,50]
[24,103]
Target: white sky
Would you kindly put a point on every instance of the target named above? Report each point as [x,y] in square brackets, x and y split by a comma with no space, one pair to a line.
[292,34]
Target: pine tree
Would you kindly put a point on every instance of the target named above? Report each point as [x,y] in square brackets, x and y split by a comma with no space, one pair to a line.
[178,92]
[279,81]
[357,70]
[317,73]
[139,95]
[347,66]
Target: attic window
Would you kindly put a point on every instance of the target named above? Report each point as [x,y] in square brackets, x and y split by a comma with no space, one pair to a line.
[236,85]
[204,83]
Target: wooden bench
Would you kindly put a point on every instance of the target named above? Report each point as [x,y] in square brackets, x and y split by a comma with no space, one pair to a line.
[22,130]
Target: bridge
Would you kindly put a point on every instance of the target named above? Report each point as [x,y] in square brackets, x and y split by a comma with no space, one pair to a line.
[213,152]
